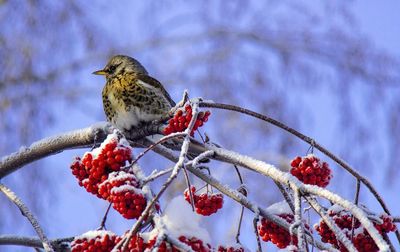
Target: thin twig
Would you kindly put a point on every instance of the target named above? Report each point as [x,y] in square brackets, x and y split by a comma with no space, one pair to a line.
[255,222]
[331,224]
[353,220]
[103,221]
[298,220]
[244,192]
[285,195]
[162,140]
[156,175]
[25,211]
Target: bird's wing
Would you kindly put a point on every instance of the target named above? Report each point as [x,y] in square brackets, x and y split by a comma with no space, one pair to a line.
[153,83]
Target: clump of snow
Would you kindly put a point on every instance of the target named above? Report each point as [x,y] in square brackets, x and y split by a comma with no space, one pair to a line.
[126,188]
[120,175]
[113,137]
[289,248]
[337,209]
[279,208]
[179,219]
[92,234]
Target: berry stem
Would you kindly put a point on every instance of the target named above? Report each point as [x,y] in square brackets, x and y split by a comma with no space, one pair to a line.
[103,221]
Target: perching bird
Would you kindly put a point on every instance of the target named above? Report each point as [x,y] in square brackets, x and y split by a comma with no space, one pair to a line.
[132,98]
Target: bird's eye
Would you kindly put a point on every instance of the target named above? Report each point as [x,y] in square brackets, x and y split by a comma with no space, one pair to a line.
[111,68]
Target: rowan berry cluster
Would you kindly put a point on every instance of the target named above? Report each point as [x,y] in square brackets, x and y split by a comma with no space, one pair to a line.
[270,231]
[353,229]
[182,118]
[310,170]
[95,166]
[95,241]
[205,203]
[100,173]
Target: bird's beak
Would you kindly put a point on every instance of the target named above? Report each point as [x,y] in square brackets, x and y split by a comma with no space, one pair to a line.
[100,72]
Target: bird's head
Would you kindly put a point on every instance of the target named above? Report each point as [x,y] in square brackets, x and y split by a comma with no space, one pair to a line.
[120,64]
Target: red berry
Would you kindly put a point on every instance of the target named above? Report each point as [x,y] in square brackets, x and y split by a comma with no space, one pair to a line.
[311,171]
[95,166]
[205,203]
[128,201]
[181,120]
[361,239]
[102,241]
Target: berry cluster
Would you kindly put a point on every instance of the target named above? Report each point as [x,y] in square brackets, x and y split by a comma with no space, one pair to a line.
[230,249]
[101,241]
[95,166]
[128,201]
[182,118]
[361,239]
[269,231]
[100,173]
[205,203]
[122,189]
[311,171]
[117,179]
[197,245]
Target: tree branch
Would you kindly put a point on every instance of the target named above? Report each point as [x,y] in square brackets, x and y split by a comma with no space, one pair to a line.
[25,211]
[59,245]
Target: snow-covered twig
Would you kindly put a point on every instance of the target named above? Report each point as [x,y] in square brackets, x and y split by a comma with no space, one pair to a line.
[162,140]
[25,211]
[34,242]
[298,220]
[156,175]
[285,195]
[255,222]
[195,162]
[332,225]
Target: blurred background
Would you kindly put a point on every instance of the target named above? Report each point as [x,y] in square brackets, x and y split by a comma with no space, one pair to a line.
[329,69]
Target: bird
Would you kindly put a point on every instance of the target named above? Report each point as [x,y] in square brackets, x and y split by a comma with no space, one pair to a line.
[131,97]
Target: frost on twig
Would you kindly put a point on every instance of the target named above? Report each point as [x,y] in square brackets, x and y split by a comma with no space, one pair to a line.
[61,244]
[25,211]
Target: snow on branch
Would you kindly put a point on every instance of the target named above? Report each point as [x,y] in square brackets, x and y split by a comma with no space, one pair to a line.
[25,211]
[58,244]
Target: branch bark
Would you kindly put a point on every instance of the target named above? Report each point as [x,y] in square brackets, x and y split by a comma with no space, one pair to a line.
[25,211]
